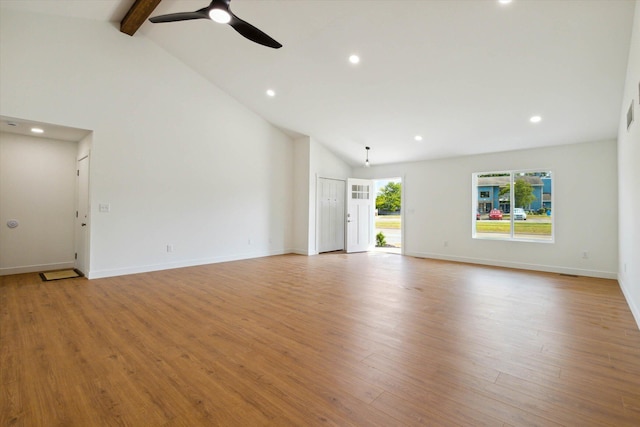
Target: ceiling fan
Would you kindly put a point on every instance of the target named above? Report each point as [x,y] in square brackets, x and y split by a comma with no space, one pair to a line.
[219,11]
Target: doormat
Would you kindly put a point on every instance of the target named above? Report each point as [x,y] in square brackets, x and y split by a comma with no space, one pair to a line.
[61,274]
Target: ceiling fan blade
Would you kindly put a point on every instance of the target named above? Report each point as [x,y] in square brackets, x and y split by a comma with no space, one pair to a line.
[221,7]
[182,16]
[252,33]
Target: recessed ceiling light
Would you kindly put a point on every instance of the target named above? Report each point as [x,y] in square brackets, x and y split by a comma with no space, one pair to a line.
[418,138]
[271,92]
[535,119]
[354,59]
[37,130]
[504,1]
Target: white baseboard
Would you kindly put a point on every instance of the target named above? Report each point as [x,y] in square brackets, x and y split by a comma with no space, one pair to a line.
[519,265]
[303,252]
[635,310]
[300,251]
[36,268]
[99,274]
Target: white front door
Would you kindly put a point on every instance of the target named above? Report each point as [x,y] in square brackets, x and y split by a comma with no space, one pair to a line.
[82,217]
[360,214]
[330,215]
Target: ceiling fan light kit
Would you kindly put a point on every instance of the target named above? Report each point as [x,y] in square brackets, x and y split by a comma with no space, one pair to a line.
[219,11]
[221,16]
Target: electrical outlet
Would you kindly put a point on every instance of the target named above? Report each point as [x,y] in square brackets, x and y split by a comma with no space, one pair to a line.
[169,248]
[585,254]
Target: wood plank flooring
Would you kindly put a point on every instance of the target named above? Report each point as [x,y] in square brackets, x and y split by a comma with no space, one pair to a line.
[334,340]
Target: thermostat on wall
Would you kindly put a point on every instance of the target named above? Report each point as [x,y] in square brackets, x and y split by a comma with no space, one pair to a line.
[12,223]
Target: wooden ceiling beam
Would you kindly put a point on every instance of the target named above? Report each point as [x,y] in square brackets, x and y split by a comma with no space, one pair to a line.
[136,16]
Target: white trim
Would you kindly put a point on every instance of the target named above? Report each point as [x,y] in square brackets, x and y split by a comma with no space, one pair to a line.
[316,232]
[509,239]
[300,252]
[181,264]
[87,231]
[635,310]
[519,265]
[344,219]
[36,268]
[403,224]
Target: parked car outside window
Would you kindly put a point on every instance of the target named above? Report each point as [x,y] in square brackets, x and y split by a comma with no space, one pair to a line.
[495,214]
[519,214]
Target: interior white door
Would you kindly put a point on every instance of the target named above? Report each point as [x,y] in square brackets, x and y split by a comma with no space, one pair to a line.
[360,214]
[82,217]
[331,199]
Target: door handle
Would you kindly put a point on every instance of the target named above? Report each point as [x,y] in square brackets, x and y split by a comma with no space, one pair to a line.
[83,224]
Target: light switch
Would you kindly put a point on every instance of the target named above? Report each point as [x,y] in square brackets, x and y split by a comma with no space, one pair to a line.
[104,207]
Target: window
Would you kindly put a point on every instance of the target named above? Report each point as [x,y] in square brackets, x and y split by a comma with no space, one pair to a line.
[360,192]
[513,205]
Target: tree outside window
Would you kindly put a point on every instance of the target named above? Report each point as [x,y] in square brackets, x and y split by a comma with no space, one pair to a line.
[530,192]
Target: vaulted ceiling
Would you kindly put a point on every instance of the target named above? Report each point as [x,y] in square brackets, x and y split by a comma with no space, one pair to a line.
[465,75]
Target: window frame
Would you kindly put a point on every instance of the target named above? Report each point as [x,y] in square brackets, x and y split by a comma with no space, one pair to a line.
[513,174]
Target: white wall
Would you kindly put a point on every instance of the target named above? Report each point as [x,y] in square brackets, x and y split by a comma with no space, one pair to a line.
[182,163]
[37,188]
[325,164]
[629,179]
[301,180]
[84,146]
[322,164]
[312,161]
[437,208]
[179,161]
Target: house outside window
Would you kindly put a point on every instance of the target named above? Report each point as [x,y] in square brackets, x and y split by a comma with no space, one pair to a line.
[530,192]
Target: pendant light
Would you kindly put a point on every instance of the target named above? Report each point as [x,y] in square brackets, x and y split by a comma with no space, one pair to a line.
[366,162]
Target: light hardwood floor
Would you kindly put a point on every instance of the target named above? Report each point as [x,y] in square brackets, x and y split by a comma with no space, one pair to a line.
[363,339]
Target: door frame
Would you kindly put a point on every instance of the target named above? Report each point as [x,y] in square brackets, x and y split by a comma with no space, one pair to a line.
[83,233]
[402,180]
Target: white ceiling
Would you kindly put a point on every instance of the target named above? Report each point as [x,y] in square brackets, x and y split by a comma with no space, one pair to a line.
[50,131]
[465,74]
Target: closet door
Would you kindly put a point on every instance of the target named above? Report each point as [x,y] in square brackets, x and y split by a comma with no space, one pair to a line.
[331,223]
